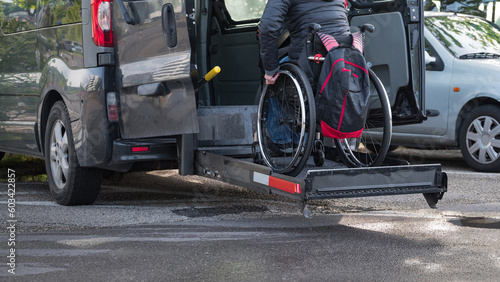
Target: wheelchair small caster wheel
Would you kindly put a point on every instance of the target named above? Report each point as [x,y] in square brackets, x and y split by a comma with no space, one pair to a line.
[257,156]
[319,153]
[258,159]
[319,158]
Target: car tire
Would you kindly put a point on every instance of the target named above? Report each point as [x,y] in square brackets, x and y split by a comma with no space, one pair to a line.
[69,183]
[480,138]
[1,155]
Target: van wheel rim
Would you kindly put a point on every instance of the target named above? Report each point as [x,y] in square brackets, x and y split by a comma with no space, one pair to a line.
[59,164]
[483,139]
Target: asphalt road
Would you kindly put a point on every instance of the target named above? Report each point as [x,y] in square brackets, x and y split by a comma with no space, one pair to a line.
[160,226]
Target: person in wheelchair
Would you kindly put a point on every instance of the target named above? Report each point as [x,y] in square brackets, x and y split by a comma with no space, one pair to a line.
[288,109]
[298,15]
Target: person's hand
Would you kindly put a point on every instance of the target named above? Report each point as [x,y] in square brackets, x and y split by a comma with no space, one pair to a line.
[271,79]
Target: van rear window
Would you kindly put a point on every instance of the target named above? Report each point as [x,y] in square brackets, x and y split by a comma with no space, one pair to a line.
[56,12]
[17,16]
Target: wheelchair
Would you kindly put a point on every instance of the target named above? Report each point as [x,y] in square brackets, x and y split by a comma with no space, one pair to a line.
[286,123]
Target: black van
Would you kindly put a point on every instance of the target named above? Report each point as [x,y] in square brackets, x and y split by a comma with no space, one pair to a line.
[102,85]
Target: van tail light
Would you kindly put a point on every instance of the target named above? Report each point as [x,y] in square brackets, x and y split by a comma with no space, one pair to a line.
[101,23]
[112,105]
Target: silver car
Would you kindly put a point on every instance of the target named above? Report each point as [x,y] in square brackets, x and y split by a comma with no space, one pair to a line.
[462,90]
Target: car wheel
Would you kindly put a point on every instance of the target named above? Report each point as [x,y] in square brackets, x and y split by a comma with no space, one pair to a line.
[69,183]
[480,138]
[1,155]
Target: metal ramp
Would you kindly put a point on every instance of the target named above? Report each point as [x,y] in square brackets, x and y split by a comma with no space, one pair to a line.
[331,181]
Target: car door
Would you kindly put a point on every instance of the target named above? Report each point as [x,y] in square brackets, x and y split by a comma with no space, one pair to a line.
[395,52]
[438,77]
[153,57]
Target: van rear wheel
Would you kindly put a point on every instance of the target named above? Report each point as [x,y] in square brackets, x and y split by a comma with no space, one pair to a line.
[70,184]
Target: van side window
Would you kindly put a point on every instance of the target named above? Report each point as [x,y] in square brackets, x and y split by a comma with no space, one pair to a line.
[16,16]
[56,12]
[245,10]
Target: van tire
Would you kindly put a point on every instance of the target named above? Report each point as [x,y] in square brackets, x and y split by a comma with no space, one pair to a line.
[70,184]
[481,149]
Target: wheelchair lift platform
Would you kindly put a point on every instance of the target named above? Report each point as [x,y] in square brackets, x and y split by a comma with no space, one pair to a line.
[332,180]
[223,149]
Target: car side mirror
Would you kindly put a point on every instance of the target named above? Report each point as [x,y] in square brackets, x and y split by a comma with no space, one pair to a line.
[429,59]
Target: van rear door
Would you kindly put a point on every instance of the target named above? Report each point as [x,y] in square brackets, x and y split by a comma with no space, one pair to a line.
[395,52]
[153,57]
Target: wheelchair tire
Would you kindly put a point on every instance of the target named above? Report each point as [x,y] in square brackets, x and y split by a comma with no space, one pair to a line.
[286,121]
[377,131]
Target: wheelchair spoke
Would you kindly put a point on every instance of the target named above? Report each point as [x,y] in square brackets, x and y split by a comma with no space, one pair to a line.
[282,117]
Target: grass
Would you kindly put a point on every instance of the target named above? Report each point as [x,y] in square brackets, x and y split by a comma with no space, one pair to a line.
[27,169]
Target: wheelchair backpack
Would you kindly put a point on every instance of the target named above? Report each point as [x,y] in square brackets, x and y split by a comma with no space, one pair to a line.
[343,88]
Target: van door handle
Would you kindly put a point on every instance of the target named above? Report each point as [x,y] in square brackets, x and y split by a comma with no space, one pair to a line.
[169,25]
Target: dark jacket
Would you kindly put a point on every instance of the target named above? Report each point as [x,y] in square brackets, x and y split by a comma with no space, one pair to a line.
[298,15]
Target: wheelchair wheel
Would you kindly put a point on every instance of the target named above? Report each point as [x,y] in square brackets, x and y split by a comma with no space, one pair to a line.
[377,132]
[287,121]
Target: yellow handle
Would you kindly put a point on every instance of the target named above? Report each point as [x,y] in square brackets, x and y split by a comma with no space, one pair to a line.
[211,74]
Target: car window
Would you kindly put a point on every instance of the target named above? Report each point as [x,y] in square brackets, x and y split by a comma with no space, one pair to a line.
[438,64]
[245,10]
[464,35]
[17,16]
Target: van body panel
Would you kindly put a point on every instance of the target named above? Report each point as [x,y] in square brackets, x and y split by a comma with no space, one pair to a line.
[61,42]
[93,131]
[90,50]
[83,91]
[148,57]
[19,78]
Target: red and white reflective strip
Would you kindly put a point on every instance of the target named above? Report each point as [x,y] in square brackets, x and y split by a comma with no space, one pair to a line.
[277,183]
